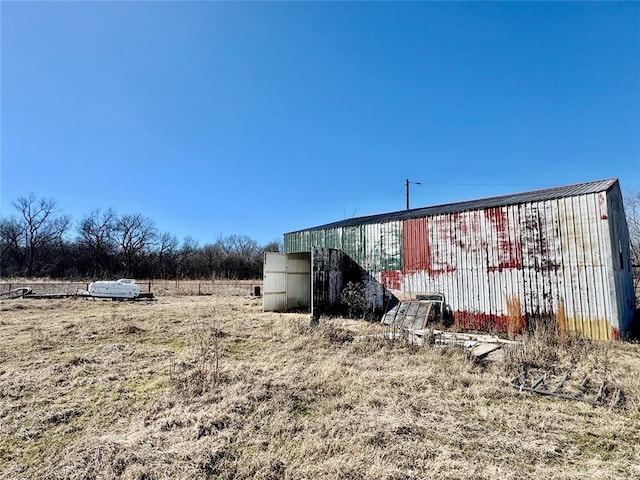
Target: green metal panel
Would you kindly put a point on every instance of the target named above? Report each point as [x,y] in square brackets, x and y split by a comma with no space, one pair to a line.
[290,242]
[376,247]
[392,246]
[317,238]
[333,238]
[297,242]
[383,246]
[353,243]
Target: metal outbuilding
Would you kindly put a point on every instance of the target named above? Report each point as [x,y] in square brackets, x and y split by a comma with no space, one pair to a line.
[504,263]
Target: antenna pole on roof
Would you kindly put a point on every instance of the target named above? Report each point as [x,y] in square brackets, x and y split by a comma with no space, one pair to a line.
[406,186]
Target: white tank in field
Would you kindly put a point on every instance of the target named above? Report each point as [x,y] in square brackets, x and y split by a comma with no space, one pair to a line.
[123,288]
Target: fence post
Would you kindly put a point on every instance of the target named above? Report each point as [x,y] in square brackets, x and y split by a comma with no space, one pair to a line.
[199,291]
[149,287]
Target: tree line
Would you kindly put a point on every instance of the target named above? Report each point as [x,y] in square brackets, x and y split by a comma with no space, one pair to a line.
[40,241]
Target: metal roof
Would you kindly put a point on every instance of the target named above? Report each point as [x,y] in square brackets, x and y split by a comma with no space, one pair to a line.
[491,202]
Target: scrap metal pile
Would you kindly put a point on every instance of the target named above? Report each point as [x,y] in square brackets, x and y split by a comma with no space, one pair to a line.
[568,385]
[412,321]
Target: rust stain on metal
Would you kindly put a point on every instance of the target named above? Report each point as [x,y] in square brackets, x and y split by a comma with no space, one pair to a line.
[602,203]
[557,256]
[561,320]
[598,329]
[515,319]
[391,279]
[427,245]
[508,242]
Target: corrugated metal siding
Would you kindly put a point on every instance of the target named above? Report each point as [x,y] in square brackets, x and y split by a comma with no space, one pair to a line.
[333,238]
[381,247]
[501,201]
[275,282]
[383,259]
[298,280]
[297,242]
[328,273]
[511,266]
[305,240]
[562,259]
[353,243]
[287,281]
[625,299]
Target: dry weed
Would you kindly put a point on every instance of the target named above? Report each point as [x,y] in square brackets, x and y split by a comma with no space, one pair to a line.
[275,398]
[203,372]
[577,360]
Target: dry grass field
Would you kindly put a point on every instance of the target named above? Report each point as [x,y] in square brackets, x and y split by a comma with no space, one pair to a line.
[209,387]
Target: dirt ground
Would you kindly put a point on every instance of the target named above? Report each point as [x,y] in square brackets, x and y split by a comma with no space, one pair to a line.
[209,387]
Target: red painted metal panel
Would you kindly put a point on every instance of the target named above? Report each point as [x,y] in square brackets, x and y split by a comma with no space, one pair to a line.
[428,244]
[391,279]
[415,245]
[508,245]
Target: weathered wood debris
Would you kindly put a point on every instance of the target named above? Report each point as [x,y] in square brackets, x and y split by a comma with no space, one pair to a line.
[479,346]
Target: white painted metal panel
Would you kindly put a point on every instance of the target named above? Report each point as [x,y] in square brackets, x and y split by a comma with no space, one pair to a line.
[538,261]
[274,286]
[298,291]
[621,270]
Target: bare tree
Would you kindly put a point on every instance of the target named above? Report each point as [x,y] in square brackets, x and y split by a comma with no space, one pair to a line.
[185,266]
[166,254]
[241,245]
[11,255]
[96,233]
[211,256]
[240,256]
[273,246]
[134,234]
[34,243]
[632,210]
[41,227]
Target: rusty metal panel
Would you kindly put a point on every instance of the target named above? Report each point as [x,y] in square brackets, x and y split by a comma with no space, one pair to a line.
[559,257]
[416,252]
[569,282]
[582,303]
[591,295]
[512,267]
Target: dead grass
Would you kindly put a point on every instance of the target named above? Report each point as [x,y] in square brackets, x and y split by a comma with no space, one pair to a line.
[212,388]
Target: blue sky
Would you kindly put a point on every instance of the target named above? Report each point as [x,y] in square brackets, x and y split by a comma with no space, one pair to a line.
[214,119]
